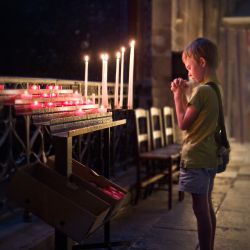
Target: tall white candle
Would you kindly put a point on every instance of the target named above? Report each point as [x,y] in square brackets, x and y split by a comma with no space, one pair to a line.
[104,80]
[102,57]
[86,59]
[131,75]
[121,79]
[118,55]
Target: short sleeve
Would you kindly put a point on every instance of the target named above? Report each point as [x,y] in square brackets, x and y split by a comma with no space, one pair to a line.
[196,99]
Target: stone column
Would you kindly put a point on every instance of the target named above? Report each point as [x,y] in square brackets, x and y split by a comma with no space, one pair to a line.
[161,53]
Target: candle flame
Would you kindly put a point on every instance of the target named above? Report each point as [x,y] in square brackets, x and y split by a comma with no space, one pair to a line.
[104,56]
[118,55]
[86,58]
[35,102]
[123,49]
[132,43]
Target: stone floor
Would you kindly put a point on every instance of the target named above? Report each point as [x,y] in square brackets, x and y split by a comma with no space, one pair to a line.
[150,226]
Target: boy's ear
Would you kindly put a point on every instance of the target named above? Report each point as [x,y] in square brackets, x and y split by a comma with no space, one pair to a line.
[203,62]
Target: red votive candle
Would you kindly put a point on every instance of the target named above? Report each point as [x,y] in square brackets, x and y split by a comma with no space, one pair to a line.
[36,105]
[34,87]
[26,95]
[50,104]
[50,87]
[57,87]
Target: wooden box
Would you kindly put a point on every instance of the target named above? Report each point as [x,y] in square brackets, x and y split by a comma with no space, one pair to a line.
[60,201]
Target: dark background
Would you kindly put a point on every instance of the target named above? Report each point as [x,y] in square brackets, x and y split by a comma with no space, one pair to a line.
[48,38]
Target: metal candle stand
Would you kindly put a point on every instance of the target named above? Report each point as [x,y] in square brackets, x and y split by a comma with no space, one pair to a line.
[49,193]
[63,165]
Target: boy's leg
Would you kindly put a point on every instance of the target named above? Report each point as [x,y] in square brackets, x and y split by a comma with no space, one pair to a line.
[202,212]
[213,219]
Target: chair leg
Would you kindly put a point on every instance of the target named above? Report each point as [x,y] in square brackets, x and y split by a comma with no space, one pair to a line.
[138,184]
[170,187]
[137,193]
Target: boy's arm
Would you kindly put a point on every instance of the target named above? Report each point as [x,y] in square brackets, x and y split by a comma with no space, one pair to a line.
[186,114]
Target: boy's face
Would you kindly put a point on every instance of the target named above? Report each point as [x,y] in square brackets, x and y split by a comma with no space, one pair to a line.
[195,68]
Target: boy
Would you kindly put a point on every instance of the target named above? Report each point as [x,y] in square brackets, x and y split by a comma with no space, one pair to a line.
[198,117]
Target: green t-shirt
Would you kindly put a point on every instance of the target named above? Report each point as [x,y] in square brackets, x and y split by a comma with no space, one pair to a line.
[199,147]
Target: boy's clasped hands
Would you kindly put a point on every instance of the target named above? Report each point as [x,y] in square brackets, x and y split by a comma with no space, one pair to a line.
[179,85]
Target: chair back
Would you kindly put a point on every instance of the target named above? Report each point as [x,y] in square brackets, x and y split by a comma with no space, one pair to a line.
[169,125]
[156,127]
[142,130]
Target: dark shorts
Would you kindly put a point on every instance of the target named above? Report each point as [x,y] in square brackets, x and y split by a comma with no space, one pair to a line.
[197,181]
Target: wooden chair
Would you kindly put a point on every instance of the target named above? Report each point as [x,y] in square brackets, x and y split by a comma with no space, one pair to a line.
[169,127]
[156,124]
[161,132]
[148,170]
[158,141]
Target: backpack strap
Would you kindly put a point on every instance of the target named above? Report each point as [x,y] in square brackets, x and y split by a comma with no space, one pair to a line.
[221,121]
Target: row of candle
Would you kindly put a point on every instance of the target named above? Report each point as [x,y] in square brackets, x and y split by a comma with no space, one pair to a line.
[27,95]
[50,87]
[119,56]
[37,104]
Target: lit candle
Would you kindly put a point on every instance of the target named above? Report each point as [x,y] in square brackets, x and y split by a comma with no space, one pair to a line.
[57,87]
[36,105]
[121,79]
[76,94]
[102,109]
[118,55]
[26,95]
[50,104]
[104,79]
[50,87]
[79,111]
[102,57]
[131,74]
[34,87]
[86,59]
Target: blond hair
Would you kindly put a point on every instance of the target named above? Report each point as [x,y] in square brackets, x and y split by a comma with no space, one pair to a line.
[202,47]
